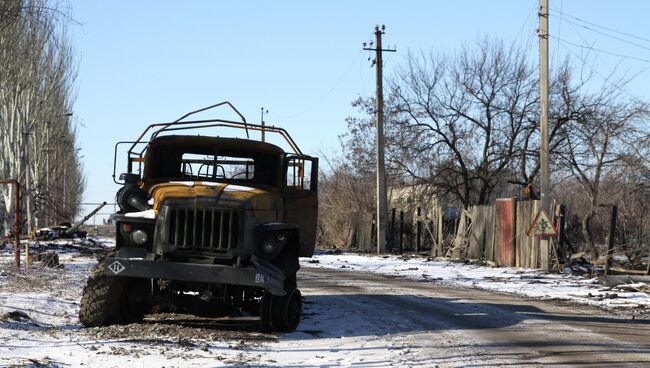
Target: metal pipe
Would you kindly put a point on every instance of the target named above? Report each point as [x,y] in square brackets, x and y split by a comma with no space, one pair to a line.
[188,114]
[226,123]
[16,185]
[196,124]
[88,216]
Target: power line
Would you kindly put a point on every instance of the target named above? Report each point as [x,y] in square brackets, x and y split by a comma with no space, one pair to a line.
[318,102]
[603,27]
[521,29]
[621,87]
[598,56]
[601,50]
[564,44]
[559,32]
[607,35]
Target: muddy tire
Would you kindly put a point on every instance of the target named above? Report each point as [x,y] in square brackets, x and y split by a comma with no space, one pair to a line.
[111,300]
[285,311]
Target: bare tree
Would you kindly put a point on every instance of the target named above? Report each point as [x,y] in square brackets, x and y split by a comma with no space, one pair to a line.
[344,194]
[35,99]
[466,125]
[599,141]
[463,117]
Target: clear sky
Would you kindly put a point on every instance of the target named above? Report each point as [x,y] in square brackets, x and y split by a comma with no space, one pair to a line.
[152,61]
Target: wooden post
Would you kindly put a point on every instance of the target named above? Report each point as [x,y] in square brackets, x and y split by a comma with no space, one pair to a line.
[610,239]
[430,231]
[418,230]
[401,231]
[561,236]
[439,246]
[373,231]
[392,229]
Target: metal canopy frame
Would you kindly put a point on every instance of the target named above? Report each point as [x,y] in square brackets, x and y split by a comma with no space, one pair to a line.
[178,125]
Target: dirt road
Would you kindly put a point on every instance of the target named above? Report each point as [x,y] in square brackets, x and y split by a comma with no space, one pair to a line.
[351,319]
[432,325]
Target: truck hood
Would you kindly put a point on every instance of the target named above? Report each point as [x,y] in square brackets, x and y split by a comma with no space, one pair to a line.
[258,198]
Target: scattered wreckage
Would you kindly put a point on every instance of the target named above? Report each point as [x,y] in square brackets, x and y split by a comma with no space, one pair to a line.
[58,232]
[209,226]
[66,230]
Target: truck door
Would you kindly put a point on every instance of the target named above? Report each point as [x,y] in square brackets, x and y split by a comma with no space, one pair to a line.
[301,198]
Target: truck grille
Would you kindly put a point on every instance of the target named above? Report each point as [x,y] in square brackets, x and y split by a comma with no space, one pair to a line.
[212,228]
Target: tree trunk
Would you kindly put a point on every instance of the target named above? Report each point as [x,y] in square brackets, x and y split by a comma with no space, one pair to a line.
[587,234]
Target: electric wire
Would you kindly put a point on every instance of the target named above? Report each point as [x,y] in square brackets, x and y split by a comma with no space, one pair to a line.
[318,102]
[521,29]
[622,88]
[559,31]
[624,56]
[597,52]
[598,56]
[599,26]
[608,35]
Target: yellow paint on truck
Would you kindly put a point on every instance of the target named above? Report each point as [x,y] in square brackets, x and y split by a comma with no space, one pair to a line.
[262,202]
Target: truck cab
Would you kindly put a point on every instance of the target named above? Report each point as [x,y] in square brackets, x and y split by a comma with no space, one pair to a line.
[208,225]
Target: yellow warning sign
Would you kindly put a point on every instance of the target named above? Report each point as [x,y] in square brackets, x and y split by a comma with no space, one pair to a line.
[542,226]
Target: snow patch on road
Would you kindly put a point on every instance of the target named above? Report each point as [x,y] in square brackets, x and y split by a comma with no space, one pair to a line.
[511,280]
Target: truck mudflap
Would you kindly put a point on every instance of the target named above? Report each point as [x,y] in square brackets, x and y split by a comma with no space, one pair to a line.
[259,276]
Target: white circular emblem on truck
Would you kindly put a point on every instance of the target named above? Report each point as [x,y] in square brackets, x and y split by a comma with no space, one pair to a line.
[116,267]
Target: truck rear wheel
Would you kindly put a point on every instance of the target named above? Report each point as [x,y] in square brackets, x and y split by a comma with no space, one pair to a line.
[281,313]
[111,300]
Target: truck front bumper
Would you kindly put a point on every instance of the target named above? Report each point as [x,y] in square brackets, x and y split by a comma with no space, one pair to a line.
[261,276]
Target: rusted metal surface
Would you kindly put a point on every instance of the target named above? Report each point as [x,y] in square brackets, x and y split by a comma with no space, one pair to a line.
[16,185]
[506,244]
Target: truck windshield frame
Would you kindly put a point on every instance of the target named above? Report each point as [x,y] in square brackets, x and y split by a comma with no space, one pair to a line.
[195,163]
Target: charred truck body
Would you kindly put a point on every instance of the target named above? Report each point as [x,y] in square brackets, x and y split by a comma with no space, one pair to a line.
[208,226]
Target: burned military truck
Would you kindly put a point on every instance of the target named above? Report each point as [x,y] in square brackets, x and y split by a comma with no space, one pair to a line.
[207,225]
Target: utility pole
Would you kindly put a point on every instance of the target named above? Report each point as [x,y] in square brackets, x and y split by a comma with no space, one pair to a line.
[262,122]
[382,207]
[545,193]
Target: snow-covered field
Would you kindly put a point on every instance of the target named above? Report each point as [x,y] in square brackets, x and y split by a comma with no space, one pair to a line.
[39,326]
[519,281]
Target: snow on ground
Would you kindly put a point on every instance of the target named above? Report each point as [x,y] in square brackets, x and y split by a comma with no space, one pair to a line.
[524,282]
[39,326]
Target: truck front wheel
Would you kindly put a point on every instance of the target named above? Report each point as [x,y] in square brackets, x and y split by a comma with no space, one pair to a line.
[281,313]
[111,300]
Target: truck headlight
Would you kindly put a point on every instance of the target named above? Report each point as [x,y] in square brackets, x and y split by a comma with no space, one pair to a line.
[139,237]
[269,246]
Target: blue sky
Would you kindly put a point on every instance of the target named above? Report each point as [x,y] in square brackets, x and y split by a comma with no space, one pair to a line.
[151,61]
